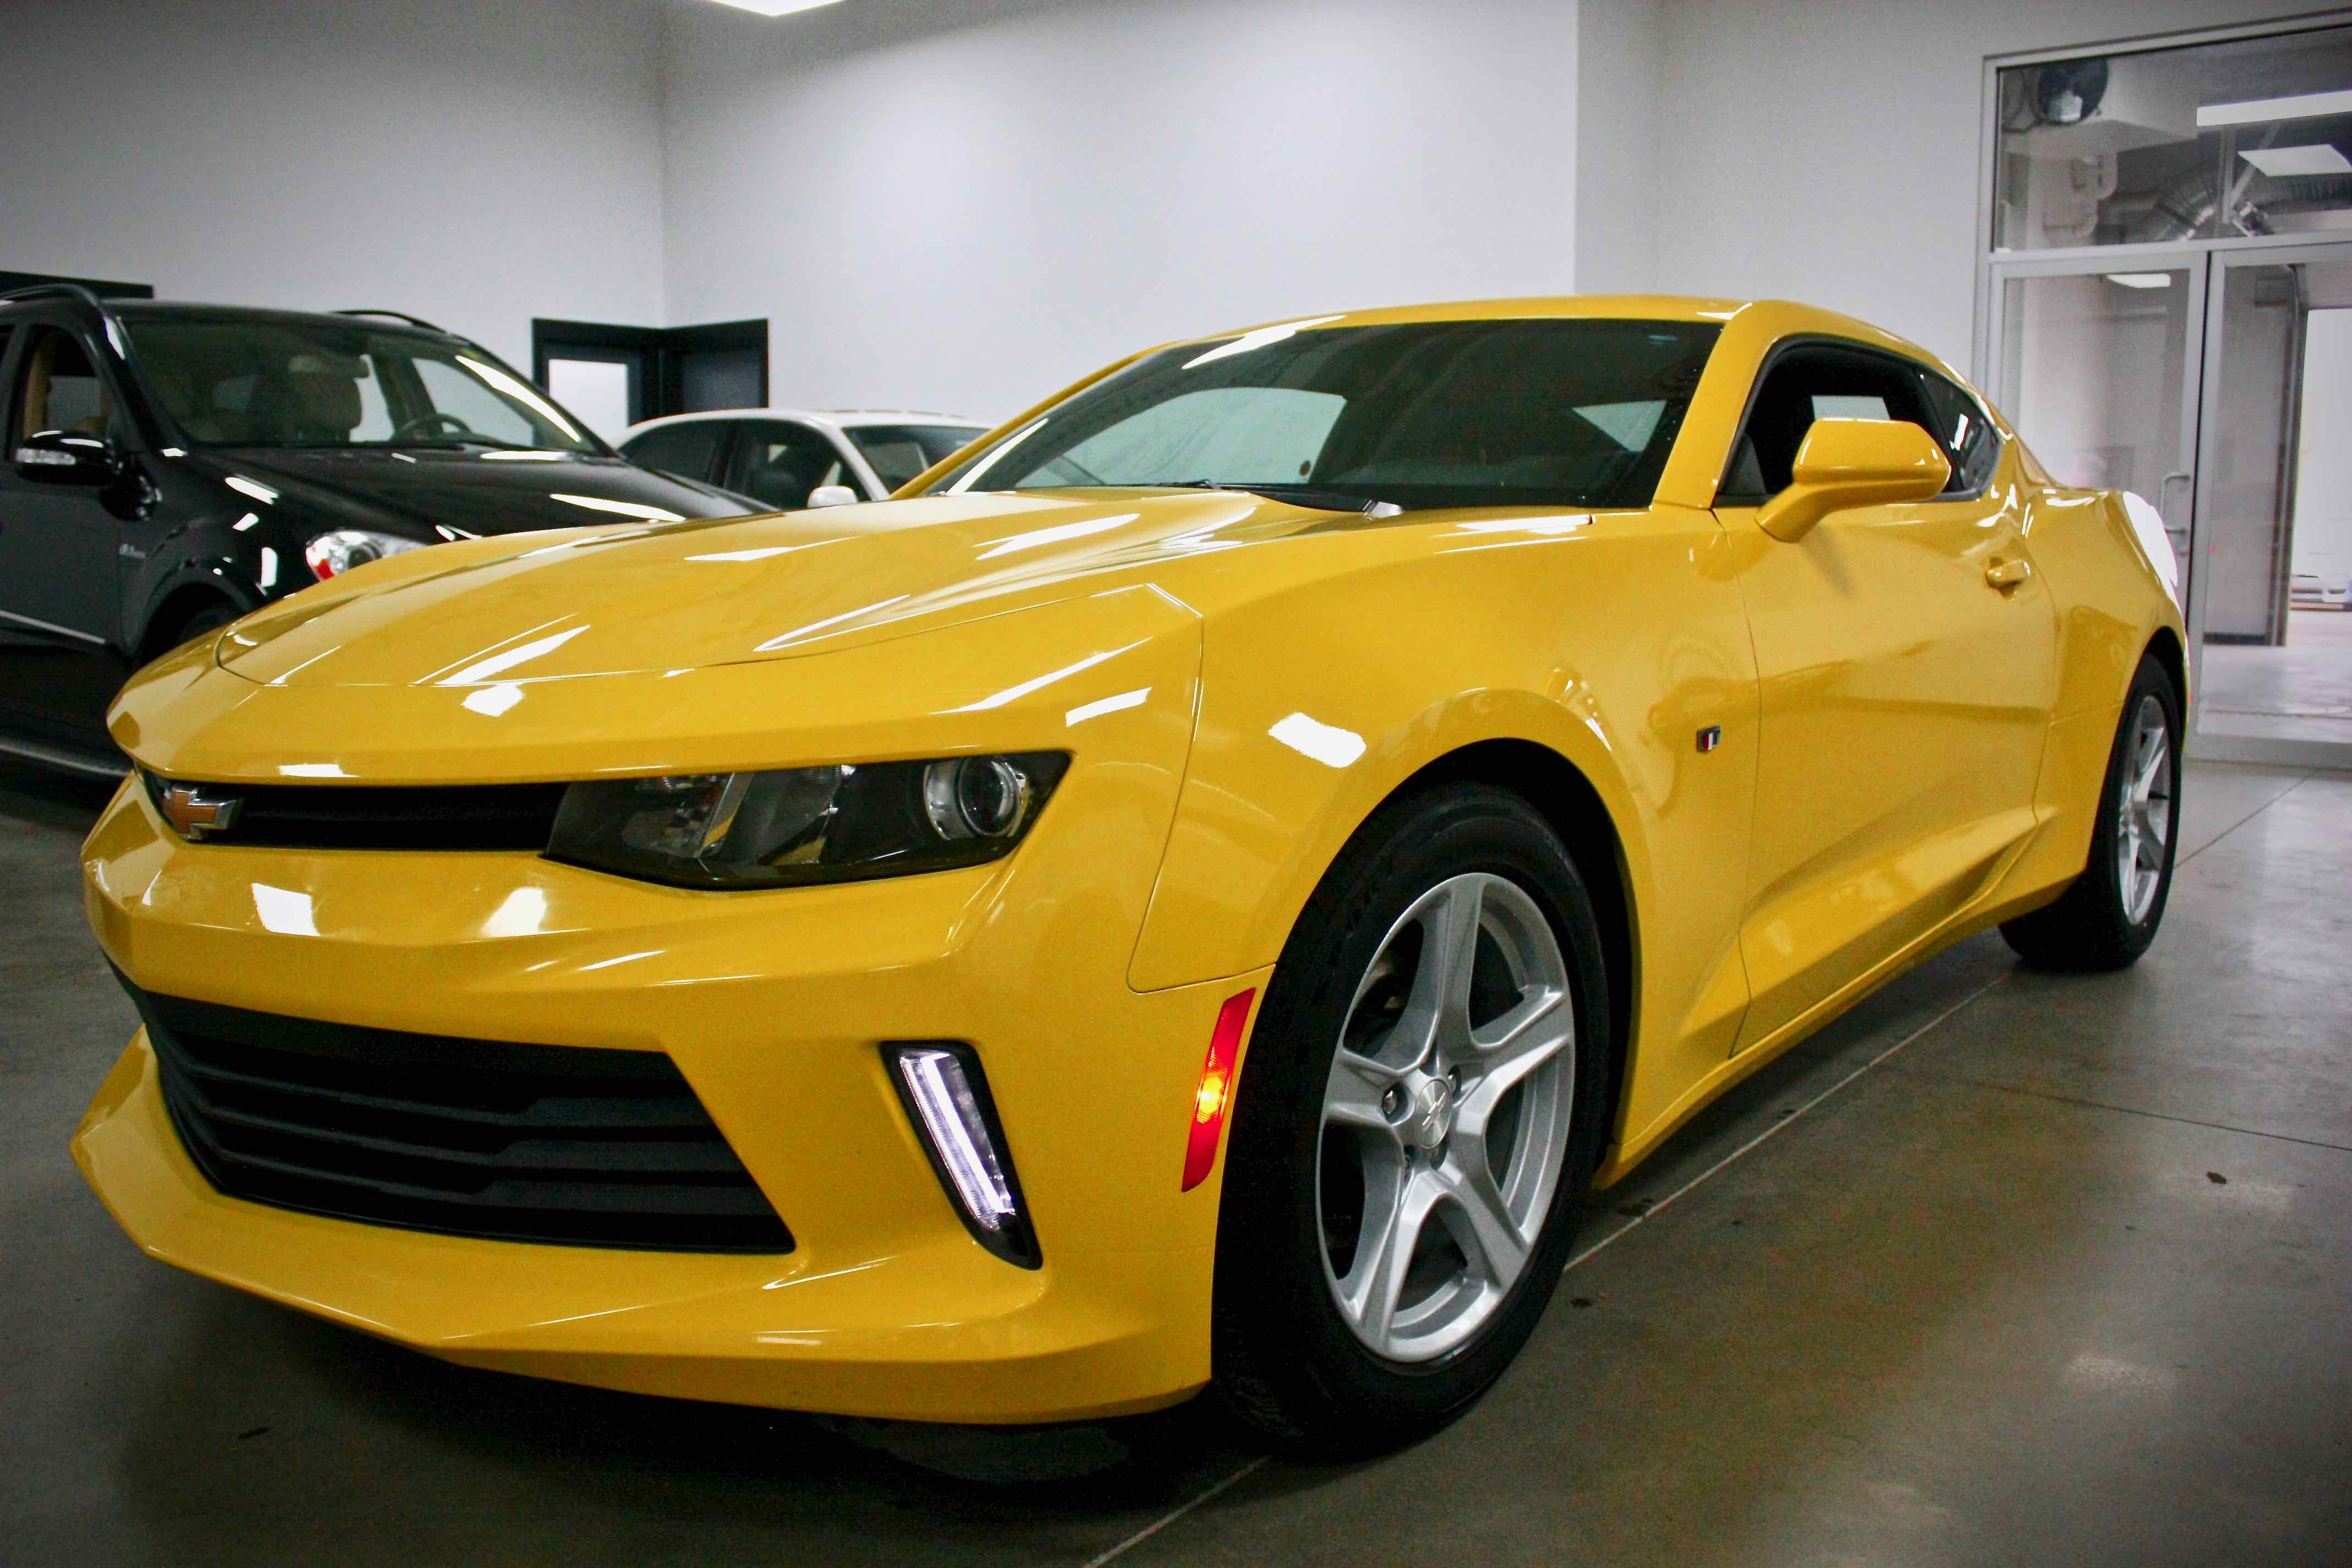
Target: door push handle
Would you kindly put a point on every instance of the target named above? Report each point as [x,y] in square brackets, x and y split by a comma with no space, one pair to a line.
[2008,574]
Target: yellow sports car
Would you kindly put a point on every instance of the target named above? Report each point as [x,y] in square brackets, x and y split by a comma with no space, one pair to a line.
[1193,892]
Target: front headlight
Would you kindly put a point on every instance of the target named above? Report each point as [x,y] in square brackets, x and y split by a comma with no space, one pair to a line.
[333,554]
[806,825]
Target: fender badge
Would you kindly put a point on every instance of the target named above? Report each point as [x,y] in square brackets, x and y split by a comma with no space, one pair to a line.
[1710,737]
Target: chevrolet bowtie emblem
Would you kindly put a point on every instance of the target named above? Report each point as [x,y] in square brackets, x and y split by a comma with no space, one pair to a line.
[195,814]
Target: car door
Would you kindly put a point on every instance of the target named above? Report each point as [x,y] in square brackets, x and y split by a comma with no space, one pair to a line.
[778,461]
[1905,656]
[61,582]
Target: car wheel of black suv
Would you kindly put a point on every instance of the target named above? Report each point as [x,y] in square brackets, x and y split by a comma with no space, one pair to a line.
[1418,1119]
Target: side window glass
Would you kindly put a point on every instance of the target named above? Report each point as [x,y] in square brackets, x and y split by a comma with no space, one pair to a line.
[57,387]
[690,451]
[782,462]
[1805,383]
[1960,427]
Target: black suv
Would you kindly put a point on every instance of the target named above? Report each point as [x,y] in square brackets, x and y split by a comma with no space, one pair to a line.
[173,466]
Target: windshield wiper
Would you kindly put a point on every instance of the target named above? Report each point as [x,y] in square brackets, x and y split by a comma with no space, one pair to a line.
[1314,496]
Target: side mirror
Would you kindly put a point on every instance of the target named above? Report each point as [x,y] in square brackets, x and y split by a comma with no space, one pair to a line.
[59,458]
[1848,463]
[833,495]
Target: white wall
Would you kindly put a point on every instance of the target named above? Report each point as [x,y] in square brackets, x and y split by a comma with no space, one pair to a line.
[2323,479]
[470,162]
[1620,71]
[1826,151]
[965,206]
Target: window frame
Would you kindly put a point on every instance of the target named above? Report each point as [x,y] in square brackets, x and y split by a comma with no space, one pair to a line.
[1917,367]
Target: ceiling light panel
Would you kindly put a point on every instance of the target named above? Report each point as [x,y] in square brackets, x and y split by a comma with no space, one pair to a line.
[2255,111]
[776,8]
[2286,162]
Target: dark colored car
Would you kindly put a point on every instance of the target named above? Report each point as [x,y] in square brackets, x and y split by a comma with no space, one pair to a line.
[174,466]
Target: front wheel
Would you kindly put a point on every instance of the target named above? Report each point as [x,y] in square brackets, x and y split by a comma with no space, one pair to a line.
[2108,917]
[1419,1113]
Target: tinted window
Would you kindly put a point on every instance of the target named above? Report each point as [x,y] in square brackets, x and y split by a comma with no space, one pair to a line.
[1825,382]
[899,452]
[1963,432]
[690,451]
[781,462]
[275,382]
[58,388]
[1512,412]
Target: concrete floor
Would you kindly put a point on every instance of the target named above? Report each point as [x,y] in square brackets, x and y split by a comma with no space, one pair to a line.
[2060,1271]
[2299,691]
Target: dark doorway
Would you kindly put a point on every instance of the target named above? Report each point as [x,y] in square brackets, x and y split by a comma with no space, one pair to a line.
[617,375]
[100,287]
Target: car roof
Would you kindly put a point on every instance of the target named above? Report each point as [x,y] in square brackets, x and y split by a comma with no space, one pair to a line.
[1775,316]
[840,419]
[195,311]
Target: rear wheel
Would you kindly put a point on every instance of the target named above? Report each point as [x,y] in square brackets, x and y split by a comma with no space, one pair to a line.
[2108,917]
[1418,1119]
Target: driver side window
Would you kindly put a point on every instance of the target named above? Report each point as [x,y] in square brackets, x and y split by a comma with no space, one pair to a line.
[1822,381]
[57,387]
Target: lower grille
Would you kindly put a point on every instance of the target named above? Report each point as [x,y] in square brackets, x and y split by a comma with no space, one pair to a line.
[545,1143]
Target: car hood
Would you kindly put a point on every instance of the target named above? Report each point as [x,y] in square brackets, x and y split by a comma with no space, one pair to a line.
[687,595]
[473,492]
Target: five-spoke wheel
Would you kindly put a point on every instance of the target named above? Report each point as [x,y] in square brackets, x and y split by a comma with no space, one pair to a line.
[1444,1117]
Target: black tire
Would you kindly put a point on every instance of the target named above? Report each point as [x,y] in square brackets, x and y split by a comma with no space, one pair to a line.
[2092,926]
[205,619]
[1285,1360]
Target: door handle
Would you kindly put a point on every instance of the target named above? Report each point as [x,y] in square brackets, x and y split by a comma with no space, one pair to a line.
[2007,574]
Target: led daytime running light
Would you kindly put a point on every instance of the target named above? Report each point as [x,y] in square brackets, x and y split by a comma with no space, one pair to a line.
[947,1097]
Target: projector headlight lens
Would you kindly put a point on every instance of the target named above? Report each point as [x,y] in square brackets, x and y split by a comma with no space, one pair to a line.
[333,554]
[801,825]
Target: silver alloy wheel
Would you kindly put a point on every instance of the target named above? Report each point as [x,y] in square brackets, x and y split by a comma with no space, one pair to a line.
[2143,810]
[1449,1102]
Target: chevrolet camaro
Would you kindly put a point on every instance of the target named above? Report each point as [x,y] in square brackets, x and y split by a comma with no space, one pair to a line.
[1193,892]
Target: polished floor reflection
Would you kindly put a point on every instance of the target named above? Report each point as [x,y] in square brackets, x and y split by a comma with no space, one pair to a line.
[2004,1267]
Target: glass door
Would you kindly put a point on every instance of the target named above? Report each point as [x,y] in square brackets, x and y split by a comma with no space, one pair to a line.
[2273,618]
[2095,362]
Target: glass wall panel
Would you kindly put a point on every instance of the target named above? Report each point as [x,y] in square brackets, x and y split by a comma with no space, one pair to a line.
[2209,141]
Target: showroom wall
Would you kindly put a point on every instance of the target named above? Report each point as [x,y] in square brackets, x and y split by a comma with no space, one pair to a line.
[471,163]
[1825,151]
[964,206]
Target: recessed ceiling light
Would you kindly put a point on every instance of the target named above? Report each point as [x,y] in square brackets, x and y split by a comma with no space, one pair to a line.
[2141,279]
[775,7]
[2282,162]
[2302,106]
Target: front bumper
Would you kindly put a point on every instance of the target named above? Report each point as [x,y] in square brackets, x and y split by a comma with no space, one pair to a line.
[773,1006]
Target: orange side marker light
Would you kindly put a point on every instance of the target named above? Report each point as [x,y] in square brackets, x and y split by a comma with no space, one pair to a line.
[1214,1097]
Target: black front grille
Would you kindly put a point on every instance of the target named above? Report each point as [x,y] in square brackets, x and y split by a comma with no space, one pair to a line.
[372,816]
[549,1143]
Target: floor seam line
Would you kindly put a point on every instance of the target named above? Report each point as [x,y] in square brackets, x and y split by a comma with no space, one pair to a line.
[1931,1074]
[1173,1515]
[2233,828]
[1782,1123]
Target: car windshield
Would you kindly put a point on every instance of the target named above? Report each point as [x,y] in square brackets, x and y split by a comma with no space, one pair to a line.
[899,452]
[244,382]
[1554,412]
